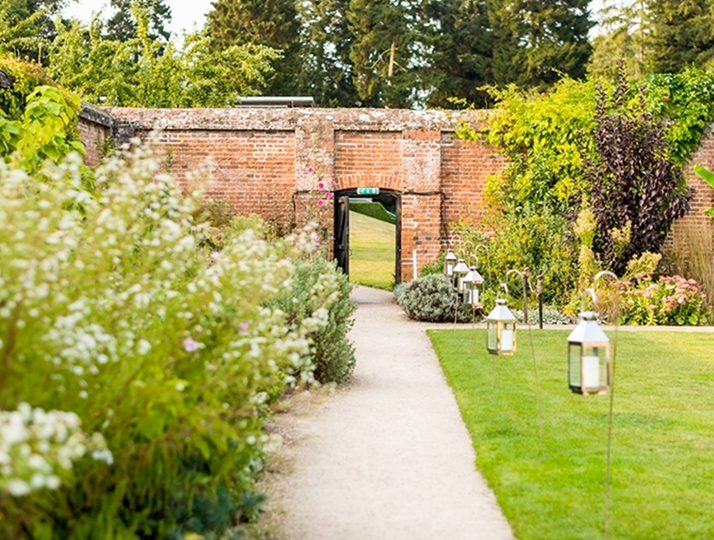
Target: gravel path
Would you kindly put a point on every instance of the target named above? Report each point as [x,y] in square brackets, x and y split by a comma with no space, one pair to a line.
[388,458]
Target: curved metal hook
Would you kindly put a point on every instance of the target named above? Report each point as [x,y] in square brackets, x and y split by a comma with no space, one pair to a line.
[514,271]
[593,296]
[483,246]
[504,286]
[605,273]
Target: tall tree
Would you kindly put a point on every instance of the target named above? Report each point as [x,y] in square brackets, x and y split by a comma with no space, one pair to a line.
[389,51]
[461,54]
[682,34]
[537,41]
[122,25]
[325,70]
[270,23]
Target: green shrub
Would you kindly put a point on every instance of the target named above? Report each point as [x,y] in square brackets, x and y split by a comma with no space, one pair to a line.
[432,298]
[332,353]
[541,241]
[118,319]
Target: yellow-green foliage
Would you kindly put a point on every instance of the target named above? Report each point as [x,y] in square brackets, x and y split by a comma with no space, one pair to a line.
[545,137]
[585,228]
[540,241]
[26,77]
[146,72]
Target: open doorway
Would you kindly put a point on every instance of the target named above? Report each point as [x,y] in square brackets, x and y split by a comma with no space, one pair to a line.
[367,235]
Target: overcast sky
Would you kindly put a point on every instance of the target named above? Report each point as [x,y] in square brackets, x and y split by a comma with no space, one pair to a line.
[185,14]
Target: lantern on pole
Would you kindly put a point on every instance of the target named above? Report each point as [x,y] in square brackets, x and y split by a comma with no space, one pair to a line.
[460,271]
[449,263]
[501,328]
[471,284]
[588,355]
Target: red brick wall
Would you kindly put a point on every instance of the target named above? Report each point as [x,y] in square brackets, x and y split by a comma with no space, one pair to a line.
[465,168]
[368,159]
[253,170]
[696,221]
[94,129]
[270,161]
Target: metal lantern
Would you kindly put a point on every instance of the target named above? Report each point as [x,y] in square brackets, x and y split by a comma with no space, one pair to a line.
[460,271]
[449,263]
[471,283]
[501,330]
[588,357]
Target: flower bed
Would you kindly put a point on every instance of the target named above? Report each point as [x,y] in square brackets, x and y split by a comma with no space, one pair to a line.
[153,353]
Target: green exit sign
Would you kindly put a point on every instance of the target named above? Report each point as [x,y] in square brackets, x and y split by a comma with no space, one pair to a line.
[367,191]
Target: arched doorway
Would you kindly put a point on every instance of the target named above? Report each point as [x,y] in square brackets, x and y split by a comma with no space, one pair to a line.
[390,199]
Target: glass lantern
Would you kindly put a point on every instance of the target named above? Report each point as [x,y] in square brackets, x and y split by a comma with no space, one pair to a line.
[588,357]
[449,263]
[460,271]
[501,330]
[471,285]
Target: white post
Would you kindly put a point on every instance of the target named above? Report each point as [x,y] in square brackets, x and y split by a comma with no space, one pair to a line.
[414,264]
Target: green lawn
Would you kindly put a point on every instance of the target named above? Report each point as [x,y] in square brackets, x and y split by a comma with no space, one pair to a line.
[372,251]
[663,435]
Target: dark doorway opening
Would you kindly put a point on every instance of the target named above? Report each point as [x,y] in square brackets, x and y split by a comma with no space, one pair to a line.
[389,199]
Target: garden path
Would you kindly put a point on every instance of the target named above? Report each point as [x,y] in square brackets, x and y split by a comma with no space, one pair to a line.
[387,457]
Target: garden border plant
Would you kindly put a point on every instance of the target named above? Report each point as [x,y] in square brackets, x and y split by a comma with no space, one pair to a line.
[121,319]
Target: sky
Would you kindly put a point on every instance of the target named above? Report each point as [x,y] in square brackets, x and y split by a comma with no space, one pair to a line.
[185,14]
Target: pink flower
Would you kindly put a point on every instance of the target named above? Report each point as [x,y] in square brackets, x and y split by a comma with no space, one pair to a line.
[328,195]
[310,170]
[321,185]
[321,202]
[244,327]
[190,344]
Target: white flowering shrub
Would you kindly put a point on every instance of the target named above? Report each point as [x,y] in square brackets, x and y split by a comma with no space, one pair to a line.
[115,307]
[38,448]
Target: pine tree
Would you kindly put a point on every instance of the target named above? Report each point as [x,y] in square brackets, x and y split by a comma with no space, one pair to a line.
[271,23]
[462,52]
[537,41]
[388,52]
[26,26]
[325,70]
[682,34]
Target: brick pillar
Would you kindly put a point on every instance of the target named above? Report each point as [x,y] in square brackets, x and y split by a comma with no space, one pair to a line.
[315,167]
[421,199]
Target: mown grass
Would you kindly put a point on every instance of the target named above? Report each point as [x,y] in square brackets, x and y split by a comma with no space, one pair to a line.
[372,251]
[663,435]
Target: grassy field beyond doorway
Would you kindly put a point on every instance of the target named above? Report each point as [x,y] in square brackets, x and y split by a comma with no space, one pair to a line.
[663,435]
[372,251]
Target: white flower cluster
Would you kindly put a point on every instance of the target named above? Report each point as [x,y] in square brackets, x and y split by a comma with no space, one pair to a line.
[37,448]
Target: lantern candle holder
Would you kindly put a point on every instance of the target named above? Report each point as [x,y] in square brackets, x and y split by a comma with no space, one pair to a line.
[501,329]
[460,271]
[471,283]
[449,263]
[588,355]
